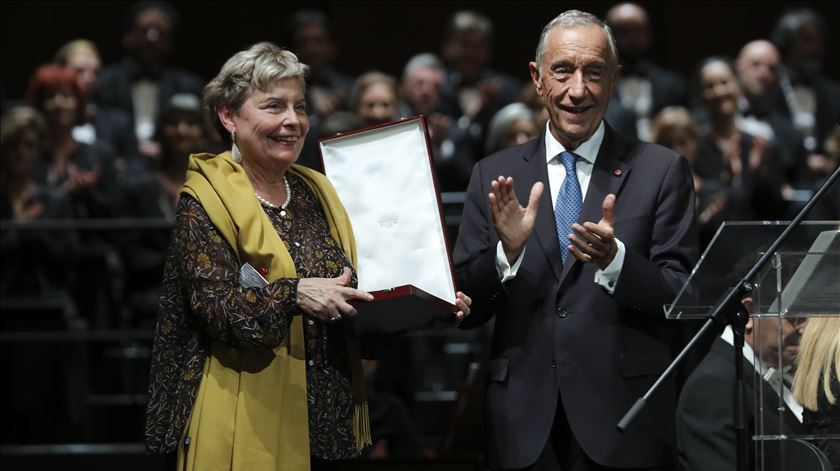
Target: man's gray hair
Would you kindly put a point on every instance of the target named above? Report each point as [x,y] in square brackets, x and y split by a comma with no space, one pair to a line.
[572,19]
[424,60]
[256,68]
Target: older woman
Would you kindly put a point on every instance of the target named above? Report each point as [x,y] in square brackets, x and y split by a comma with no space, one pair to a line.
[250,375]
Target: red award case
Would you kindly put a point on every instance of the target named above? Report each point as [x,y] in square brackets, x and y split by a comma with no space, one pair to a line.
[384,176]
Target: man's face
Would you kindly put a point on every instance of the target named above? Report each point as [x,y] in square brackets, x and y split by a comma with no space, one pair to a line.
[575,80]
[806,51]
[314,46]
[758,68]
[767,342]
[86,64]
[151,37]
[421,89]
[468,52]
[632,32]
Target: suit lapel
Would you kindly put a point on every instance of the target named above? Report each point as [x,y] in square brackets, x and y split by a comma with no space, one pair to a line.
[535,170]
[608,175]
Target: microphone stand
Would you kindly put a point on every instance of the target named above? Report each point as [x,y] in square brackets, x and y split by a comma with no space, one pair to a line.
[729,310]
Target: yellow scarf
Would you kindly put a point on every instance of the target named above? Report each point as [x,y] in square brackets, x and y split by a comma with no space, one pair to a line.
[226,194]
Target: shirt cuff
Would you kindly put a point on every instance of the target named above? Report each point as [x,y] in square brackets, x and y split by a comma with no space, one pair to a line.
[608,277]
[507,271]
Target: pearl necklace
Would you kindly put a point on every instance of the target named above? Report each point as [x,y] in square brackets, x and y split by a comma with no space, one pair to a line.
[283,206]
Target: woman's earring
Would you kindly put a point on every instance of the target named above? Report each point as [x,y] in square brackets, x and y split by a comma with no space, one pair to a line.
[234,151]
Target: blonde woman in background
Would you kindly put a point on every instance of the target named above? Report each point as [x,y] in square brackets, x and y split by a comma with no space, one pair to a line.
[816,384]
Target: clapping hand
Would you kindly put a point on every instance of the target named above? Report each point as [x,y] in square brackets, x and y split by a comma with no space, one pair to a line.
[513,223]
[596,242]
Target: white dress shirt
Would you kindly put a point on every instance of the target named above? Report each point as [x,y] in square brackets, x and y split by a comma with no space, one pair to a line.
[587,152]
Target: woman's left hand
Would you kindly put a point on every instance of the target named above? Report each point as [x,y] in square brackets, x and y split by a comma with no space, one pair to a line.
[463,302]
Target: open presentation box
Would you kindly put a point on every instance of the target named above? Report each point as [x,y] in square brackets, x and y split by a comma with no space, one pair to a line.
[384,176]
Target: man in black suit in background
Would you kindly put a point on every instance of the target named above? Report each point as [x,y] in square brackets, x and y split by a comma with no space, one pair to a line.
[143,84]
[644,88]
[705,421]
[579,329]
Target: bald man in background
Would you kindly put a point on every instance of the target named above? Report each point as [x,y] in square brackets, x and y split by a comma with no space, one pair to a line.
[757,67]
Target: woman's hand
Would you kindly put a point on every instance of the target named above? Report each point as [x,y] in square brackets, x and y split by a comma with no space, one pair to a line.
[327,298]
[463,302]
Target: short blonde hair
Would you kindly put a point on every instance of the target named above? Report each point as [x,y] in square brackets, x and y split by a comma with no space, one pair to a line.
[255,68]
[77,45]
[818,355]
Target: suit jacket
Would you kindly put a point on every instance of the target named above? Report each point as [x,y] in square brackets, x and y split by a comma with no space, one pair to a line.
[561,339]
[827,113]
[705,424]
[115,82]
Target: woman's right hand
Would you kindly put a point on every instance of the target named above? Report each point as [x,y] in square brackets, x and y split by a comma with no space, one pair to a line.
[327,298]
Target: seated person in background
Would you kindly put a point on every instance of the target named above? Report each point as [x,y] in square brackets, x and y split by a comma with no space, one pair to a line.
[453,149]
[421,85]
[34,262]
[309,34]
[706,437]
[143,83]
[644,88]
[757,67]
[746,166]
[472,91]
[529,97]
[816,384]
[374,98]
[513,125]
[85,172]
[109,127]
[675,129]
[155,194]
[809,99]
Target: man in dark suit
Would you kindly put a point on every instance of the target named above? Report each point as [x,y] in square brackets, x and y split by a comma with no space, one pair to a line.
[142,85]
[579,329]
[705,421]
[644,88]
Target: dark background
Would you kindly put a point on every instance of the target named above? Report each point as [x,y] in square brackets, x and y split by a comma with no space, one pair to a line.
[378,34]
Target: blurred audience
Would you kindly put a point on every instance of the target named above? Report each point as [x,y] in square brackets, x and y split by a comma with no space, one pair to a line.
[529,97]
[108,127]
[806,96]
[675,129]
[513,125]
[644,88]
[143,83]
[33,262]
[85,172]
[309,35]
[374,98]
[745,167]
[154,194]
[757,67]
[472,91]
[453,149]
